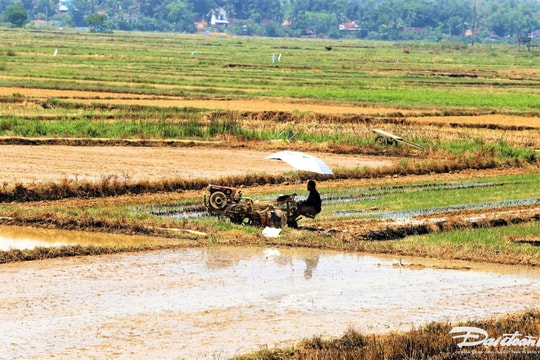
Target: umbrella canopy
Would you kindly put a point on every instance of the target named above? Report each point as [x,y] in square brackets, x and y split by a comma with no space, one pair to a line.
[301,161]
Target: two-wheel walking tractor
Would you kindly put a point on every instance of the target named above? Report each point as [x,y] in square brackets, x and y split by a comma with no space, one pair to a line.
[225,201]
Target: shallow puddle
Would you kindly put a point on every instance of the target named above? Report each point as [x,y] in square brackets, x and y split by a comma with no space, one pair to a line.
[214,303]
[20,238]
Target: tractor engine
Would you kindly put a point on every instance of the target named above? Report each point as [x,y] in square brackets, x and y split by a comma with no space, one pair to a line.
[225,201]
[221,196]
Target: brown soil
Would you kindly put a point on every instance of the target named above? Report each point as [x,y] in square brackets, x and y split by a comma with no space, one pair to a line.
[38,164]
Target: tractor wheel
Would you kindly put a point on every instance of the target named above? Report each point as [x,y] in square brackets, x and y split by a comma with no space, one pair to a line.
[381,140]
[256,219]
[218,200]
[241,219]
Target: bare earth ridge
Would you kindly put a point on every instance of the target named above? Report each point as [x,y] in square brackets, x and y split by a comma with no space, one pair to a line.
[44,163]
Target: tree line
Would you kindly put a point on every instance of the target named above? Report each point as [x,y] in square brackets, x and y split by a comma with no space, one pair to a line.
[374,19]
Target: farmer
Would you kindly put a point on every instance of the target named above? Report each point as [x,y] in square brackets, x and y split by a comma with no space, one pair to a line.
[312,205]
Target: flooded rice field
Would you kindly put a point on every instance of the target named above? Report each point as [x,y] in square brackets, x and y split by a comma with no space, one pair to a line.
[432,211]
[213,303]
[353,196]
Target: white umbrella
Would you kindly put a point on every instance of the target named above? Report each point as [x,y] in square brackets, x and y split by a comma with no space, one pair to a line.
[301,161]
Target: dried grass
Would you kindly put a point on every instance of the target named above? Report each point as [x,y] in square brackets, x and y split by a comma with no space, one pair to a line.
[432,341]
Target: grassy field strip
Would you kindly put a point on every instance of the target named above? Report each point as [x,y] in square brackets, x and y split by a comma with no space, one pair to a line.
[135,120]
[356,72]
[388,201]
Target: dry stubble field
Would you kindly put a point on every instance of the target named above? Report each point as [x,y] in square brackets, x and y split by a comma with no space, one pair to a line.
[40,163]
[51,160]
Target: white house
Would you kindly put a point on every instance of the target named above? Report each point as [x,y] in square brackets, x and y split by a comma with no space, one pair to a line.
[64,5]
[219,17]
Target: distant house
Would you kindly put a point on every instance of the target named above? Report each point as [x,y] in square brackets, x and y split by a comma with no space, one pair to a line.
[64,5]
[469,32]
[39,23]
[219,18]
[349,26]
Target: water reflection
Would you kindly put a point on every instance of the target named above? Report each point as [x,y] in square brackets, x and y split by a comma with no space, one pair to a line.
[20,238]
[311,264]
[7,244]
[216,302]
[221,258]
[17,238]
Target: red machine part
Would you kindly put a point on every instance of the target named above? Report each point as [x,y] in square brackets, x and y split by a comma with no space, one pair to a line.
[220,196]
[227,190]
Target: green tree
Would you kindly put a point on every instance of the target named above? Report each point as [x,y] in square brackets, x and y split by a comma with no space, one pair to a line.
[180,16]
[96,22]
[201,8]
[378,19]
[44,9]
[16,15]
[80,9]
[514,18]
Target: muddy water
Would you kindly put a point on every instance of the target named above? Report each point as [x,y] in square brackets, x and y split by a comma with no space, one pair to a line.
[216,302]
[20,238]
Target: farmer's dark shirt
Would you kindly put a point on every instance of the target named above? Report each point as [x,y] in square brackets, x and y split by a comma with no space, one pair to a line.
[314,200]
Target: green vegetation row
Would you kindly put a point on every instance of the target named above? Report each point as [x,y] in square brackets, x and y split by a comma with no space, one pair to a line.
[27,117]
[439,75]
[415,197]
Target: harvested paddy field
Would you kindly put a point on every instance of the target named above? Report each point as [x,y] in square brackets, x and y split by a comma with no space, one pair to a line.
[153,313]
[53,163]
[106,161]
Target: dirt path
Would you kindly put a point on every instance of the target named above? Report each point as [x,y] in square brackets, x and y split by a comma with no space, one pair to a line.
[42,164]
